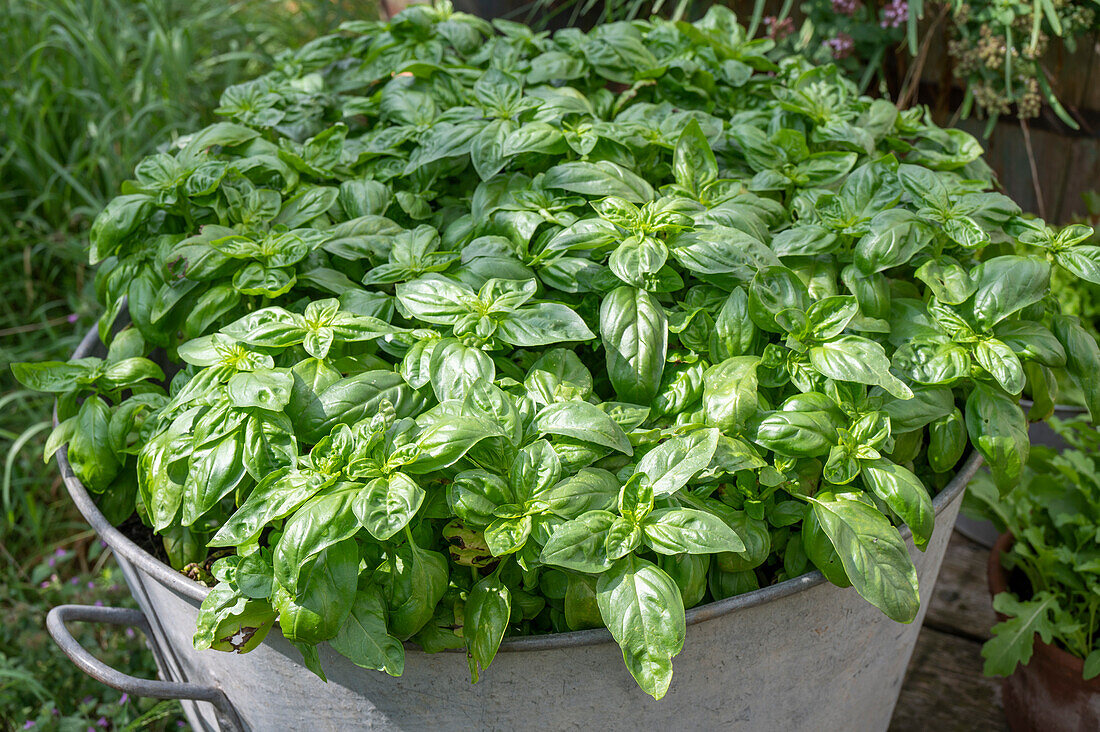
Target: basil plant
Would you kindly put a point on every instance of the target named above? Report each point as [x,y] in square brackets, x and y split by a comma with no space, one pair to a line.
[452,331]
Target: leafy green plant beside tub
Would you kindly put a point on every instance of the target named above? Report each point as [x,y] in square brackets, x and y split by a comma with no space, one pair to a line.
[473,332]
[1054,515]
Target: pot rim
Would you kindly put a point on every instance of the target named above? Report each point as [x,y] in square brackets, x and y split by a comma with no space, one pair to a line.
[1052,654]
[1072,410]
[164,574]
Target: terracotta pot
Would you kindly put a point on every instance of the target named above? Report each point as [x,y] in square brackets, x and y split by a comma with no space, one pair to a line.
[1049,693]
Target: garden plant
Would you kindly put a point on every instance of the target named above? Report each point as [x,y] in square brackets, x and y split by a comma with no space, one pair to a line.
[453,330]
[1054,515]
[995,50]
[89,88]
[1004,56]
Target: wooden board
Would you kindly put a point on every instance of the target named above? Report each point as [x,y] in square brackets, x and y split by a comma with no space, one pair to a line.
[944,687]
[961,604]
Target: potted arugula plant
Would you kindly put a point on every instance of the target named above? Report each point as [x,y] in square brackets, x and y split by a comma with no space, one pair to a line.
[1044,581]
[458,337]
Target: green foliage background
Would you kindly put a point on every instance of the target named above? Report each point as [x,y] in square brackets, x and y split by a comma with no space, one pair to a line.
[88,88]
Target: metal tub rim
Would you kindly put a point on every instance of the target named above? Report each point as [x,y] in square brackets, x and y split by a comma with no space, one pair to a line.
[167,576]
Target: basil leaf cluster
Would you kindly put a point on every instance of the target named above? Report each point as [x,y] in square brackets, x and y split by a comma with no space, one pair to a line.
[471,331]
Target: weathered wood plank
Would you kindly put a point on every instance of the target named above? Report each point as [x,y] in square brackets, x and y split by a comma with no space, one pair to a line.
[960,603]
[944,688]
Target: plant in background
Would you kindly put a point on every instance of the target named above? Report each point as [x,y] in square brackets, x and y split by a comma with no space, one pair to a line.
[39,691]
[89,89]
[859,36]
[1054,515]
[997,50]
[473,332]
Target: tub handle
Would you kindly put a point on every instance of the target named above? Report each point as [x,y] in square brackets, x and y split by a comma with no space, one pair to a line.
[89,664]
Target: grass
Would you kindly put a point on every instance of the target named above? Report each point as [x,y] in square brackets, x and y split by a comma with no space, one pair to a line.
[89,87]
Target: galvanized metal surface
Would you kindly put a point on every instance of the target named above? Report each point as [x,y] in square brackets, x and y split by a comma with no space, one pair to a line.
[56,624]
[802,654]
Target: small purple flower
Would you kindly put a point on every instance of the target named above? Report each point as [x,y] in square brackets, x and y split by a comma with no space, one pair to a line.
[74,581]
[846,7]
[45,584]
[895,14]
[778,29]
[28,724]
[91,585]
[52,562]
[179,723]
[73,317]
[99,603]
[125,698]
[102,544]
[841,46]
[114,588]
[101,722]
[59,552]
[130,633]
[87,700]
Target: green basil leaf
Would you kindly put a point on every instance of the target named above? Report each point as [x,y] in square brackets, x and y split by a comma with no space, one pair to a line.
[689,531]
[507,535]
[852,358]
[1082,358]
[693,162]
[454,368]
[1083,261]
[946,441]
[320,523]
[1001,363]
[386,505]
[264,389]
[928,403]
[90,453]
[634,330]
[445,441]
[213,471]
[872,553]
[121,218]
[475,494]
[351,399]
[583,421]
[276,496]
[580,544]
[602,178]
[591,489]
[363,639]
[317,611]
[269,443]
[488,608]
[55,377]
[542,324]
[669,466]
[413,585]
[434,299]
[904,493]
[998,430]
[1006,285]
[642,608]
